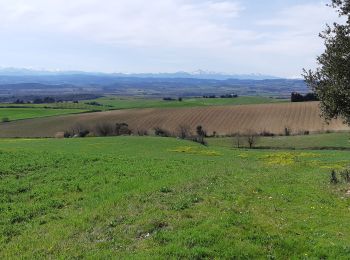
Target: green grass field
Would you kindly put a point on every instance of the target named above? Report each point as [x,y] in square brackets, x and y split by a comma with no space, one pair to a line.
[64,105]
[26,113]
[310,142]
[131,197]
[126,103]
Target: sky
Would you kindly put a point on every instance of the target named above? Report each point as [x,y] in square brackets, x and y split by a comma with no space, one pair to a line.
[274,37]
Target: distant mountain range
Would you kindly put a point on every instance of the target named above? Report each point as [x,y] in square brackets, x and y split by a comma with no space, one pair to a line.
[23,82]
[199,74]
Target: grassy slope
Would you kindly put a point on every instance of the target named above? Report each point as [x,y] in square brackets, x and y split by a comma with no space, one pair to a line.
[26,113]
[147,197]
[125,103]
[319,141]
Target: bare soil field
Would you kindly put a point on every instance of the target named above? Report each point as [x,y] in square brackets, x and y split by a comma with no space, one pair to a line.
[273,118]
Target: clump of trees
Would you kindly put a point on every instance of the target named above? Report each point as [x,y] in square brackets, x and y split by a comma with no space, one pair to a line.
[229,96]
[209,96]
[331,80]
[169,99]
[222,96]
[297,97]
[94,103]
[46,100]
[101,129]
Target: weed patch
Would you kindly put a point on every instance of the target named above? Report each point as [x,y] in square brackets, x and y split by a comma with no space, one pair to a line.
[195,151]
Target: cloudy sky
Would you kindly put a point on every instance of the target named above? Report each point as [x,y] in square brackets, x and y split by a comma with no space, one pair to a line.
[275,37]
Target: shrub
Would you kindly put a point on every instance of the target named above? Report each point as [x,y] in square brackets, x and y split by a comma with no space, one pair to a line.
[5,120]
[84,133]
[287,131]
[142,132]
[122,129]
[79,130]
[266,133]
[104,129]
[158,131]
[67,134]
[334,179]
[345,175]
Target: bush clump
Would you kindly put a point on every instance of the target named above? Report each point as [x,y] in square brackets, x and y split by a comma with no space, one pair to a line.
[343,176]
[158,131]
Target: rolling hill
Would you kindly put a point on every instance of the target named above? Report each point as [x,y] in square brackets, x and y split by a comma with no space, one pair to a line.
[224,120]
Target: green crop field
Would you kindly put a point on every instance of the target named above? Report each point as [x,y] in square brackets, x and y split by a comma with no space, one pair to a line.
[26,113]
[146,197]
[113,102]
[311,142]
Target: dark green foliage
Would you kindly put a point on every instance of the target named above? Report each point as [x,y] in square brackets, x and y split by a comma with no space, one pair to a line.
[122,129]
[297,97]
[287,131]
[345,174]
[104,129]
[201,134]
[334,178]
[331,80]
[5,120]
[158,131]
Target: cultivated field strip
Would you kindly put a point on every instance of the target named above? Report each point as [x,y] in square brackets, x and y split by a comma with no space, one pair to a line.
[273,118]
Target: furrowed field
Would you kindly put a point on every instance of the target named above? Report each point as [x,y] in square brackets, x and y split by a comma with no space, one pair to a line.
[224,120]
[145,197]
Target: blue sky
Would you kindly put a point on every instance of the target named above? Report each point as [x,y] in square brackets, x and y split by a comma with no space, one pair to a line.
[276,37]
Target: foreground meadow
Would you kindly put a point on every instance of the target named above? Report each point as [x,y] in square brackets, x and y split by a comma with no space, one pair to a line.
[133,197]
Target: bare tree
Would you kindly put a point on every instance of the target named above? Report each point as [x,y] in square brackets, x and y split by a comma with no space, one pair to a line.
[184,131]
[237,141]
[252,138]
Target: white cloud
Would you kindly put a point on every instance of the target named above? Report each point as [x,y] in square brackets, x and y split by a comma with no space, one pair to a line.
[136,22]
[180,34]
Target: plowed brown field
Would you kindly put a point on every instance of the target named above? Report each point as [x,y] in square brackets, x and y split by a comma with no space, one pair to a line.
[273,118]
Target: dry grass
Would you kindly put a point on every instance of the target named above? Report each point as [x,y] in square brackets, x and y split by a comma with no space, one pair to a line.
[273,118]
